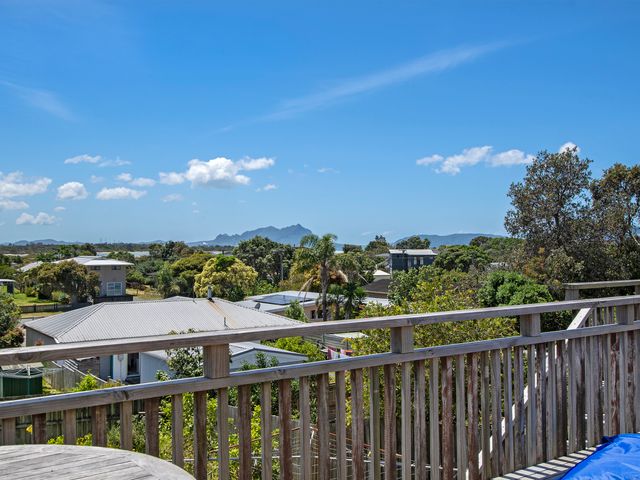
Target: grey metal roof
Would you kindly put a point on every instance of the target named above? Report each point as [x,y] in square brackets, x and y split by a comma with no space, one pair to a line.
[237,349]
[113,320]
[413,251]
[305,298]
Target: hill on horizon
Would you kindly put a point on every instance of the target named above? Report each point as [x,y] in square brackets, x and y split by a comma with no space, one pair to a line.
[290,235]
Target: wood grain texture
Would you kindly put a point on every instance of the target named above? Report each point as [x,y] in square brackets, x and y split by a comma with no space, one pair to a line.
[244,432]
[177,430]
[341,425]
[99,426]
[304,408]
[448,443]
[284,412]
[266,440]
[473,433]
[390,438]
[405,420]
[357,424]
[39,432]
[324,465]
[126,426]
[69,424]
[222,424]
[152,426]
[434,419]
[200,435]
[374,421]
[420,420]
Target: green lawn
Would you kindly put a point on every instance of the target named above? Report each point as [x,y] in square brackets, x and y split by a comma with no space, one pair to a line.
[146,294]
[23,299]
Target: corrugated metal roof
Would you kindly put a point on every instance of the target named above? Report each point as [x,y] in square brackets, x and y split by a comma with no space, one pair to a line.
[106,321]
[236,349]
[413,251]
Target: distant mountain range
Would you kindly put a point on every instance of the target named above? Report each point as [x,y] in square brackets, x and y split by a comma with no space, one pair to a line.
[291,235]
[452,239]
[44,241]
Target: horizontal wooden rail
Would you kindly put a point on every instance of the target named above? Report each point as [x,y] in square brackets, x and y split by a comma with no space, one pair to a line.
[12,356]
[30,406]
[606,284]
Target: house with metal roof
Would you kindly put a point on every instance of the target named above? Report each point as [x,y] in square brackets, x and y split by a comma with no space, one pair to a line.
[120,320]
[406,258]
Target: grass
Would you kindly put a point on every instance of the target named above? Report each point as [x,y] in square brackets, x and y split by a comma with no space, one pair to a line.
[26,316]
[23,299]
[146,294]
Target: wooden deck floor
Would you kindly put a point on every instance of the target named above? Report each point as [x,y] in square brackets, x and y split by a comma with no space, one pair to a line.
[549,470]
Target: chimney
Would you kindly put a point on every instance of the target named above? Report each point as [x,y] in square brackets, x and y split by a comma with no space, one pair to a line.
[210,293]
[257,305]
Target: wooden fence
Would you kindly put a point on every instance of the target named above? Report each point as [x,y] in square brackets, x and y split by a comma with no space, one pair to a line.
[471,410]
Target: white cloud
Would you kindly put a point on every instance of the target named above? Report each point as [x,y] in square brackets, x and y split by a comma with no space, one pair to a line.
[124,177]
[14,185]
[429,64]
[96,179]
[173,197]
[136,182]
[569,146]
[40,218]
[120,193]
[510,157]
[327,170]
[171,178]
[256,163]
[41,99]
[218,172]
[453,164]
[59,209]
[267,187]
[72,191]
[84,158]
[114,163]
[13,205]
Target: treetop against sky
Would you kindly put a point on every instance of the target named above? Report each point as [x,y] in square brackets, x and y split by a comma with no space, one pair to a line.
[143,121]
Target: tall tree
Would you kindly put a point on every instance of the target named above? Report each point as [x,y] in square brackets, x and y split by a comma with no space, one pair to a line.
[272,260]
[228,278]
[461,258]
[318,253]
[377,245]
[414,242]
[74,280]
[551,205]
[11,334]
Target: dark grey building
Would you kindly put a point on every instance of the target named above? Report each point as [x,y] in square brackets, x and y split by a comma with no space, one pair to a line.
[404,259]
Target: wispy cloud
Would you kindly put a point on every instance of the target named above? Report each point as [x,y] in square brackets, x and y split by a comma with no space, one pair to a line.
[433,63]
[453,164]
[327,170]
[40,99]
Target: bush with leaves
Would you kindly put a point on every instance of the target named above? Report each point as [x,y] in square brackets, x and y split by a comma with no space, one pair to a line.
[11,334]
[228,278]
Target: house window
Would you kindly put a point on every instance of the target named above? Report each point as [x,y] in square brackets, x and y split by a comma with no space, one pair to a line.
[116,267]
[114,289]
[133,364]
[95,269]
[313,314]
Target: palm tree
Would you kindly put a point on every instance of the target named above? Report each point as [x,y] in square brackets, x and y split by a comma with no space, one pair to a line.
[318,253]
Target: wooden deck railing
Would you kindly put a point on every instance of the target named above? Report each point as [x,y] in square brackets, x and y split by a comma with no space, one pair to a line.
[476,410]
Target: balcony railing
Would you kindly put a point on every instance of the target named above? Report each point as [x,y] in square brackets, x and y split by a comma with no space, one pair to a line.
[477,410]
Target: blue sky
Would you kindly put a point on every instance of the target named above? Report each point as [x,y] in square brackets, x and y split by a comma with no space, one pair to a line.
[135,121]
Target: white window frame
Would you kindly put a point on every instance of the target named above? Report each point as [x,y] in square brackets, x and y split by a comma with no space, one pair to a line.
[111,289]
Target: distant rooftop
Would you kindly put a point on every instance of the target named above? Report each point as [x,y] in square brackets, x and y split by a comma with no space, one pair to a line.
[413,251]
[90,261]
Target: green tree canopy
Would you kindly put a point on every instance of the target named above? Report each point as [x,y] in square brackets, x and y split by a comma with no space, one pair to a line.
[228,277]
[272,260]
[11,334]
[318,254]
[377,245]
[184,271]
[413,242]
[461,258]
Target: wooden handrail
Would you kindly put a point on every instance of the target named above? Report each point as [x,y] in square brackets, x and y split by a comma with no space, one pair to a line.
[12,356]
[604,284]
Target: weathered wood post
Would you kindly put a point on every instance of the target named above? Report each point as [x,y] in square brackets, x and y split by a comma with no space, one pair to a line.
[530,327]
[402,342]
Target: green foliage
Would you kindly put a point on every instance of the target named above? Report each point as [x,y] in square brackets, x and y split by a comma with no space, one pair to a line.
[461,257]
[295,311]
[184,271]
[348,247]
[88,382]
[169,251]
[11,334]
[166,284]
[228,277]
[69,277]
[498,249]
[185,362]
[377,245]
[404,282]
[123,256]
[318,254]
[299,345]
[272,260]
[413,242]
[511,288]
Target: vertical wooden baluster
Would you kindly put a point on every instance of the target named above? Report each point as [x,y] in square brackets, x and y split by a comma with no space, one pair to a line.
[390,439]
[561,393]
[357,424]
[552,402]
[305,428]
[341,425]
[508,411]
[573,396]
[200,435]
[461,437]
[405,419]
[420,430]
[39,423]
[266,439]
[596,363]
[629,363]
[286,452]
[519,410]
[374,421]
[151,426]
[540,407]
[614,379]
[532,414]
[582,431]
[606,373]
[588,389]
[8,431]
[177,429]
[244,432]
[324,465]
[69,427]
[485,407]
[448,445]
[622,379]
[496,415]
[126,427]
[472,414]
[434,418]
[222,423]
[99,426]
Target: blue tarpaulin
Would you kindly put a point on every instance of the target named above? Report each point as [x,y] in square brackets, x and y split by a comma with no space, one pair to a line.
[617,458]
